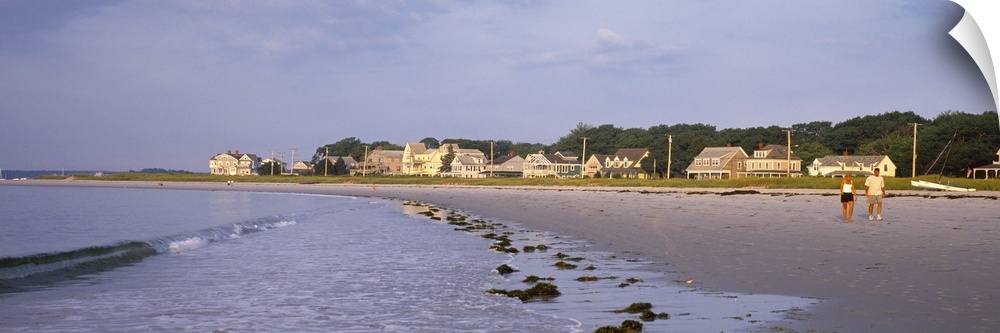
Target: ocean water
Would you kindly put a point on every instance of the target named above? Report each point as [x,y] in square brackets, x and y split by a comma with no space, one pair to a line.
[126,260]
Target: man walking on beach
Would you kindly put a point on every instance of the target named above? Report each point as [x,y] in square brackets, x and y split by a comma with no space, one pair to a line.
[877,184]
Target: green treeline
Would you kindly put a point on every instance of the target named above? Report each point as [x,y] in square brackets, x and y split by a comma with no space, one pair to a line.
[974,141]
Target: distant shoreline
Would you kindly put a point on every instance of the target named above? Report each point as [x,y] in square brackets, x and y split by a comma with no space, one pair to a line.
[930,266]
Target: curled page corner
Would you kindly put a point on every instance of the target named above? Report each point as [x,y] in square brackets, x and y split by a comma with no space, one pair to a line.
[970,35]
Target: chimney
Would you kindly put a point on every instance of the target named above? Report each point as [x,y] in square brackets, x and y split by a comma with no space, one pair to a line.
[760,145]
[229,152]
[378,147]
[845,152]
[729,144]
[237,152]
[511,153]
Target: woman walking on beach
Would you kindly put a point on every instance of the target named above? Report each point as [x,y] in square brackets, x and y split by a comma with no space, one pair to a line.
[847,197]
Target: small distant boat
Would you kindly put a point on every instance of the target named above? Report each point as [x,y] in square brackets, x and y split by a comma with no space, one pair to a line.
[937,186]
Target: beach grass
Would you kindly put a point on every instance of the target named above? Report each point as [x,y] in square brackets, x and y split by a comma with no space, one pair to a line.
[892,183]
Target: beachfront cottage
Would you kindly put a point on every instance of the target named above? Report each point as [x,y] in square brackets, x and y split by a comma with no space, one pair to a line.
[989,169]
[625,163]
[558,165]
[858,165]
[467,166]
[384,162]
[234,164]
[418,160]
[302,168]
[772,161]
[506,166]
[718,163]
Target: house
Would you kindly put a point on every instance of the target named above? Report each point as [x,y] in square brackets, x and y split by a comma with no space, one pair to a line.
[349,163]
[839,165]
[506,166]
[772,161]
[558,165]
[988,169]
[467,166]
[234,164]
[718,163]
[625,163]
[418,160]
[384,162]
[302,168]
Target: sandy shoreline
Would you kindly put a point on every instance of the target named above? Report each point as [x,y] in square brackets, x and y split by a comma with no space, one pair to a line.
[929,267]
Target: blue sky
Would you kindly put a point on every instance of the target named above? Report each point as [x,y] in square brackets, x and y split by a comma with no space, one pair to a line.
[119,85]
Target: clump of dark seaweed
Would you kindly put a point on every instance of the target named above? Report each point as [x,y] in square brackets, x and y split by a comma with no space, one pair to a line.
[542,290]
[542,247]
[628,326]
[589,268]
[505,269]
[635,308]
[645,309]
[564,265]
[534,278]
[629,282]
[591,278]
[528,248]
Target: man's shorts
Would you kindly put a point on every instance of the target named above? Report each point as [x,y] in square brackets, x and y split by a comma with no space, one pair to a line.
[874,199]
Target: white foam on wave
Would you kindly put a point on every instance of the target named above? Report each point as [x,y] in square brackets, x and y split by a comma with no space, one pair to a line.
[187,244]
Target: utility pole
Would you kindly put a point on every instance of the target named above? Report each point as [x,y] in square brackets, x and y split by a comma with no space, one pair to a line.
[788,154]
[670,151]
[491,158]
[583,160]
[364,170]
[272,162]
[281,163]
[326,160]
[914,170]
[293,160]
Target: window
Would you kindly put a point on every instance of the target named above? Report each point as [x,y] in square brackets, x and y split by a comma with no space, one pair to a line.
[715,162]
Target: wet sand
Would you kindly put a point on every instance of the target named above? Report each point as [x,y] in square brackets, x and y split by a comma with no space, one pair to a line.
[930,266]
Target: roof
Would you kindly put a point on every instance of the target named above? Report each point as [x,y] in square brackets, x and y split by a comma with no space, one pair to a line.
[777,152]
[720,152]
[417,147]
[466,160]
[633,154]
[389,153]
[505,159]
[831,160]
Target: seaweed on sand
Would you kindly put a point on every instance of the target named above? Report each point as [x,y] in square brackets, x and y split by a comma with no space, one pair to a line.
[539,291]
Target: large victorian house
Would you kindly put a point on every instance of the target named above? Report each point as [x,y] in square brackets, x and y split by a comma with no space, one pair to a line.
[383,162]
[418,160]
[234,164]
[718,163]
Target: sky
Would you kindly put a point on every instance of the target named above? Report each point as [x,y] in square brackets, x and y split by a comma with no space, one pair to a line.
[127,85]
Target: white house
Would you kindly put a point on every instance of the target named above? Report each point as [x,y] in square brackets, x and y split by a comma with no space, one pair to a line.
[839,165]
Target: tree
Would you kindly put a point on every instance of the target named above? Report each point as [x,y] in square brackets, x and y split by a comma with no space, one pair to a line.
[975,142]
[266,168]
[810,151]
[323,167]
[340,167]
[446,160]
[854,132]
[431,143]
[350,146]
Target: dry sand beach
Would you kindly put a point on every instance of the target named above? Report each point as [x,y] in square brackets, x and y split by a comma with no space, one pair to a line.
[931,266]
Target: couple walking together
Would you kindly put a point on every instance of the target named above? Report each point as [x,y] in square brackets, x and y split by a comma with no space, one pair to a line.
[874,191]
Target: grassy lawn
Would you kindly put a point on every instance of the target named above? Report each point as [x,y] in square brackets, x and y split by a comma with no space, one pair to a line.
[901,183]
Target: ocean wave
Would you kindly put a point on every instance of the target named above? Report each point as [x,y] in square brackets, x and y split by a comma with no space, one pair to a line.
[38,270]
